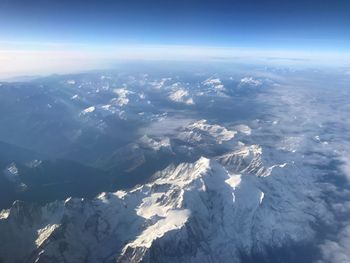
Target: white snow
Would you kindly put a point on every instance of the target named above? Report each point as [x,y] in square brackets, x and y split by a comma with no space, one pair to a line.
[195,131]
[149,206]
[181,95]
[44,233]
[234,180]
[147,142]
[245,129]
[291,143]
[220,204]
[122,92]
[175,219]
[122,99]
[4,214]
[88,110]
[142,96]
[250,81]
[261,197]
[214,83]
[12,169]
[34,163]
[158,84]
[106,107]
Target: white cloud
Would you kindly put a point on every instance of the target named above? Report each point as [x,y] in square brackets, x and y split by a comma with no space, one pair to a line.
[337,251]
[345,166]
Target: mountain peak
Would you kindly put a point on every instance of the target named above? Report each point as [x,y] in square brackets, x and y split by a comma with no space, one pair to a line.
[203,205]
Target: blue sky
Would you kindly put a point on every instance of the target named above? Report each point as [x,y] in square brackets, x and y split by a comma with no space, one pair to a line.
[93,25]
[323,24]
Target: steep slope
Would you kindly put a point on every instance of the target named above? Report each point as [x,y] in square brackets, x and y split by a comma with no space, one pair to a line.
[206,211]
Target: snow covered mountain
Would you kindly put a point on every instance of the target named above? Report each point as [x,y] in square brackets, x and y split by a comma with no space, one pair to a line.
[212,210]
[210,166]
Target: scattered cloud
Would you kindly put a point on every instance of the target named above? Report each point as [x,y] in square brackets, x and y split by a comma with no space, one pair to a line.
[338,250]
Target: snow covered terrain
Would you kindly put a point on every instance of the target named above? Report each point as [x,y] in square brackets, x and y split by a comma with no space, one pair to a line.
[223,165]
[211,210]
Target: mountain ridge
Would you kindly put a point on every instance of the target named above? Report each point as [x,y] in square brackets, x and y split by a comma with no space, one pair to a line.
[199,211]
